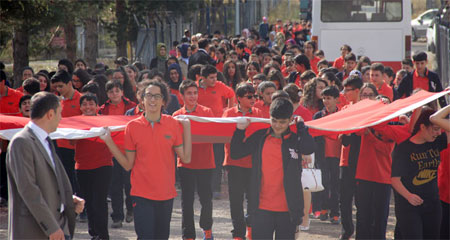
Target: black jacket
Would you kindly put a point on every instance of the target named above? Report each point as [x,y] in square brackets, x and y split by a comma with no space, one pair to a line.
[201,57]
[293,145]
[405,88]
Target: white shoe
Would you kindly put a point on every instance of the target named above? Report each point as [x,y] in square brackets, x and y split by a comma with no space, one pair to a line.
[305,228]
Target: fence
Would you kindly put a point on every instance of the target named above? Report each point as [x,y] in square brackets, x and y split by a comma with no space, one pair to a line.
[166,28]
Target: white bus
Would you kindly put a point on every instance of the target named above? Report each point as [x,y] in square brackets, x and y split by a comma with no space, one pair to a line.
[378,29]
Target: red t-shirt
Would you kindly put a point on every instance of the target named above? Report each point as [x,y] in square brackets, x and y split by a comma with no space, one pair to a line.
[304,113]
[342,101]
[9,104]
[443,175]
[117,109]
[92,154]
[272,196]
[178,94]
[153,173]
[313,62]
[245,162]
[374,161]
[332,147]
[265,109]
[339,63]
[386,90]
[70,108]
[202,153]
[212,97]
[219,66]
[420,82]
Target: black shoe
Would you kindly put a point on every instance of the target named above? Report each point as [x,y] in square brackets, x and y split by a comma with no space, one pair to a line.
[129,217]
[323,216]
[116,224]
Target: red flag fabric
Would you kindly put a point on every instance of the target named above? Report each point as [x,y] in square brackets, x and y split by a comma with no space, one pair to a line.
[219,130]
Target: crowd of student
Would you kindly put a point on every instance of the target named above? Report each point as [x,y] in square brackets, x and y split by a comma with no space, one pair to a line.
[279,76]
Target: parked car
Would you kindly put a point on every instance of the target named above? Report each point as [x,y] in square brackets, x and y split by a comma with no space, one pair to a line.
[431,37]
[422,22]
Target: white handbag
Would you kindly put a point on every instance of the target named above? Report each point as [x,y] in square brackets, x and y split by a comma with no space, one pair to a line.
[312,180]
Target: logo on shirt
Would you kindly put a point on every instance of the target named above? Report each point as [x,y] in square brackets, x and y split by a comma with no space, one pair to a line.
[73,106]
[213,92]
[293,153]
[167,136]
[11,103]
[424,176]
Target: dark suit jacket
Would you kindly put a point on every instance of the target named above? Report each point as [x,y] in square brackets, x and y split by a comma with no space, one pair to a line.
[201,57]
[36,190]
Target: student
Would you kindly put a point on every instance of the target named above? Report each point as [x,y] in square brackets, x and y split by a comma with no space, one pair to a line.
[151,142]
[421,78]
[310,49]
[239,171]
[348,161]
[9,103]
[312,98]
[276,196]
[377,79]
[328,152]
[212,94]
[159,62]
[174,78]
[414,178]
[31,86]
[302,64]
[70,104]
[408,65]
[265,91]
[93,165]
[117,104]
[241,53]
[232,74]
[25,106]
[349,65]
[258,79]
[339,62]
[198,173]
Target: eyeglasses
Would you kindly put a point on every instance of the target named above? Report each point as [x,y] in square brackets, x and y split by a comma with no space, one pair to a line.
[249,96]
[367,95]
[348,89]
[149,96]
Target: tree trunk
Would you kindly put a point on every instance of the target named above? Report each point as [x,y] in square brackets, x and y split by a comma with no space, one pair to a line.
[121,34]
[71,39]
[91,35]
[20,55]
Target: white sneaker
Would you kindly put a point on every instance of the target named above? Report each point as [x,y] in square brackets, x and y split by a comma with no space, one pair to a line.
[305,228]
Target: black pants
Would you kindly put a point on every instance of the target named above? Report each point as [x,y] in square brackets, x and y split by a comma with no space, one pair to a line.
[219,155]
[238,186]
[372,205]
[67,157]
[347,190]
[189,180]
[420,222]
[94,185]
[267,222]
[3,177]
[152,218]
[330,180]
[120,182]
[445,223]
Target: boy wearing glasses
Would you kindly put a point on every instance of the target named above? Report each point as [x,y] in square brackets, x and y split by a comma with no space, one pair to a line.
[239,170]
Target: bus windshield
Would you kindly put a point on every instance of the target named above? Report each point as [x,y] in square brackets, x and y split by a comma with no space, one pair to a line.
[361,11]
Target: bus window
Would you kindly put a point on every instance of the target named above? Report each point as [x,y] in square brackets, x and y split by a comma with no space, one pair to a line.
[361,10]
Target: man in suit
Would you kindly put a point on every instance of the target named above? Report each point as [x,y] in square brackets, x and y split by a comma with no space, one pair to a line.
[201,56]
[40,194]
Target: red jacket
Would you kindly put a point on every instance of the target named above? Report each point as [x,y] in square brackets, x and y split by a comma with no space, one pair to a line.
[104,109]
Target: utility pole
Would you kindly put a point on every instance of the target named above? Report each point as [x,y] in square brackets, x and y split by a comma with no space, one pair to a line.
[236,26]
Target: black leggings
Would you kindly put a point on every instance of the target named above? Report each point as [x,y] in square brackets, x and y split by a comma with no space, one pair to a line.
[421,222]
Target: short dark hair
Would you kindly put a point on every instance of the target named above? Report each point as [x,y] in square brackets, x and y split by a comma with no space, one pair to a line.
[88,97]
[302,59]
[202,43]
[67,63]
[377,67]
[281,108]
[331,91]
[207,70]
[265,85]
[112,84]
[365,69]
[162,87]
[260,76]
[187,84]
[193,71]
[62,76]
[2,76]
[346,46]
[31,85]
[92,87]
[292,90]
[408,61]
[353,81]
[308,74]
[323,62]
[389,71]
[350,57]
[243,89]
[424,119]
[420,56]
[240,45]
[81,61]
[27,68]
[23,99]
[280,94]
[42,102]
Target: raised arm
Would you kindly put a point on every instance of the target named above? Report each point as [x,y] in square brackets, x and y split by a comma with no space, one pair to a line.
[439,118]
